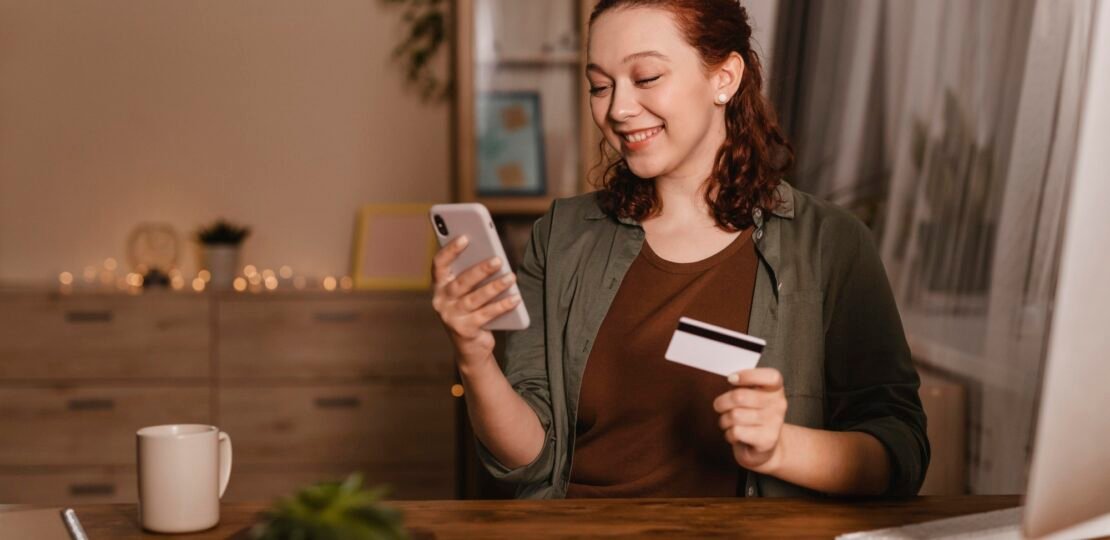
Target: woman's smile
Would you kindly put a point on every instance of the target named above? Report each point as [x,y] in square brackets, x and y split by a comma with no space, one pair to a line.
[633,141]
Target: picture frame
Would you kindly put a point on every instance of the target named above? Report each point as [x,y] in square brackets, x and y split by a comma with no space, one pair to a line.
[510,144]
[393,247]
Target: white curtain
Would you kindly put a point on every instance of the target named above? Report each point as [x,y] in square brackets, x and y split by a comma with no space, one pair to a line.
[977,198]
[950,126]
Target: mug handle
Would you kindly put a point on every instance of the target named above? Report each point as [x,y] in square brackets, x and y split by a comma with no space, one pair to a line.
[225,461]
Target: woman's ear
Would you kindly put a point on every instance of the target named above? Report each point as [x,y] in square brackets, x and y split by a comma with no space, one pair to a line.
[726,80]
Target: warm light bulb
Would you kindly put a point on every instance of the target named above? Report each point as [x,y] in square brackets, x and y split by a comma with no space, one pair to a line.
[329,283]
[285,272]
[110,264]
[271,283]
[249,270]
[255,278]
[240,284]
[65,278]
[346,283]
[177,282]
[205,275]
[267,274]
[457,390]
[198,284]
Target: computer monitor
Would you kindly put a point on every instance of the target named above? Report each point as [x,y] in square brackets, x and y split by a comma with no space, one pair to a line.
[1069,481]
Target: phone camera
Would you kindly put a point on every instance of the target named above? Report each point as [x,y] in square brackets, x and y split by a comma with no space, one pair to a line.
[441,226]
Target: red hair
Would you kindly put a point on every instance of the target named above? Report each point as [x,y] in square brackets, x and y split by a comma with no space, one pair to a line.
[755,154]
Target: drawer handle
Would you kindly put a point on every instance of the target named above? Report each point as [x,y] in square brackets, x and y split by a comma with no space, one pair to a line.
[91,404]
[91,490]
[348,402]
[335,316]
[82,317]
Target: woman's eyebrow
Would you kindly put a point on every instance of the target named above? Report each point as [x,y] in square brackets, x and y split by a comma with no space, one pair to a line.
[631,57]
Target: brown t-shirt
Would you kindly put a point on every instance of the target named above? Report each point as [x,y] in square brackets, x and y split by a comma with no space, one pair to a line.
[646,426]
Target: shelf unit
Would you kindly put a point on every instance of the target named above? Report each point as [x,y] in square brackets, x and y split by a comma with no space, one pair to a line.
[534,46]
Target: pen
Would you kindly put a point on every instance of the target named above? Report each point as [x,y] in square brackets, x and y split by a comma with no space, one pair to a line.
[69,517]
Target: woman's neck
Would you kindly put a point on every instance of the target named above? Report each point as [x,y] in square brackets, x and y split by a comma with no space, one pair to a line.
[682,193]
[682,200]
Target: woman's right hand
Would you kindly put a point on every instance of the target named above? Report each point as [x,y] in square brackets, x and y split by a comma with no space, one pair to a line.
[464,307]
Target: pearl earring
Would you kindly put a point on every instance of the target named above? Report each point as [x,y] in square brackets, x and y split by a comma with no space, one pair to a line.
[722,98]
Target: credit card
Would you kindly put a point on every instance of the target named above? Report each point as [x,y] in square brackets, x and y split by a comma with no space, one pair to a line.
[713,348]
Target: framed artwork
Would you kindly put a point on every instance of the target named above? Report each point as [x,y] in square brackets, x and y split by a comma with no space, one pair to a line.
[510,153]
[524,134]
[393,247]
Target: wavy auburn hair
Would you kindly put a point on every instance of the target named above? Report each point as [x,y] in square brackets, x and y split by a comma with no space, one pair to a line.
[755,154]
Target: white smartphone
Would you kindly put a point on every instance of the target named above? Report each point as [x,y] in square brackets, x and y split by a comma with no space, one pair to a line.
[473,220]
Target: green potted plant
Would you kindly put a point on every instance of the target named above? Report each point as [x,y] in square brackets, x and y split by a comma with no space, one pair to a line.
[220,243]
[332,511]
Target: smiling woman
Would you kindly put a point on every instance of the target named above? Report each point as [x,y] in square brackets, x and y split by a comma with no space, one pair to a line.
[683,63]
[692,220]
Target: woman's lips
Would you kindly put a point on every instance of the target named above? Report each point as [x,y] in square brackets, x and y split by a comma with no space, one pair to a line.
[640,139]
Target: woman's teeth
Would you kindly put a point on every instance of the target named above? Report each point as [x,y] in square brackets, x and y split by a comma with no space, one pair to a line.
[640,136]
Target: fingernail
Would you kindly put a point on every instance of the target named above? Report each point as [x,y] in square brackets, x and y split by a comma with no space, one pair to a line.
[494,262]
[507,278]
[734,378]
[461,241]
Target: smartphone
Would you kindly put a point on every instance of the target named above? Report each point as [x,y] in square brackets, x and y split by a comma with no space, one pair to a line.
[473,220]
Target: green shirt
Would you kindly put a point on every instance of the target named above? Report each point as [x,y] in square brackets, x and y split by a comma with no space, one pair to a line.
[822,302]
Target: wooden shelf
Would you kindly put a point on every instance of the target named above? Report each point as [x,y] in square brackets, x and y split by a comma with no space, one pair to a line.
[568,130]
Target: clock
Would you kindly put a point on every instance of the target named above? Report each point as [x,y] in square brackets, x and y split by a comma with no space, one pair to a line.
[153,246]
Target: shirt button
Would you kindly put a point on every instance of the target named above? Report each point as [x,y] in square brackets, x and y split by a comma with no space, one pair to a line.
[757,214]
[759,234]
[751,492]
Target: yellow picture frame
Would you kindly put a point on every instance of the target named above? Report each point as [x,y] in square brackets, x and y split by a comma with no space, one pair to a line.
[384,255]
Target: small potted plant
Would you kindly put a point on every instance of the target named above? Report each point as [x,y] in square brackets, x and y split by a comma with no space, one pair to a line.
[332,510]
[220,242]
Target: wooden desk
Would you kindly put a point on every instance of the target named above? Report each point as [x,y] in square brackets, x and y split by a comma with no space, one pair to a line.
[757,518]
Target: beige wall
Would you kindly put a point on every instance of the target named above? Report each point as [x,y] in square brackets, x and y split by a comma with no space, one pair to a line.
[283,114]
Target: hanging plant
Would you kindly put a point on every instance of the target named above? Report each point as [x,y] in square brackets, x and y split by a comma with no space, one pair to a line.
[426,32]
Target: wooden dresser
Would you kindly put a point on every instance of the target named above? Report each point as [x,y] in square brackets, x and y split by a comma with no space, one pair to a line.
[310,386]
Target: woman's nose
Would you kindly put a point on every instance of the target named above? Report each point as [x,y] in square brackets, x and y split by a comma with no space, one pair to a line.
[623,106]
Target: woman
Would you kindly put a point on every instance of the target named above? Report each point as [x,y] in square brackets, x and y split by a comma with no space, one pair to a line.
[694,220]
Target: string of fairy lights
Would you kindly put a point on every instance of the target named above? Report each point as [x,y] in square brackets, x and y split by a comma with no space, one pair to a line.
[251,280]
[107,276]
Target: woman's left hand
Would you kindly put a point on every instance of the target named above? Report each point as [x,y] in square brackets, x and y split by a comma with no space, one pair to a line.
[752,416]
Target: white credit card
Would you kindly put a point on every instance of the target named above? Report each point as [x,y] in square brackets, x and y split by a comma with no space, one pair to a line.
[713,348]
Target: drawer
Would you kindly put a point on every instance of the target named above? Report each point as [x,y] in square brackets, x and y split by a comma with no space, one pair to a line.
[383,423]
[104,336]
[89,425]
[83,485]
[253,483]
[344,337]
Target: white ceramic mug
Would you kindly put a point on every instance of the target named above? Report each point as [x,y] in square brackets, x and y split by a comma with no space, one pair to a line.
[183,472]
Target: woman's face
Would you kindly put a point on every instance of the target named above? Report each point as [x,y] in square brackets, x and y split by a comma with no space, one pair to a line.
[650,94]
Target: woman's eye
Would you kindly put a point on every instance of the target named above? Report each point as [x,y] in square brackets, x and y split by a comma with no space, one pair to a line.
[598,90]
[648,80]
